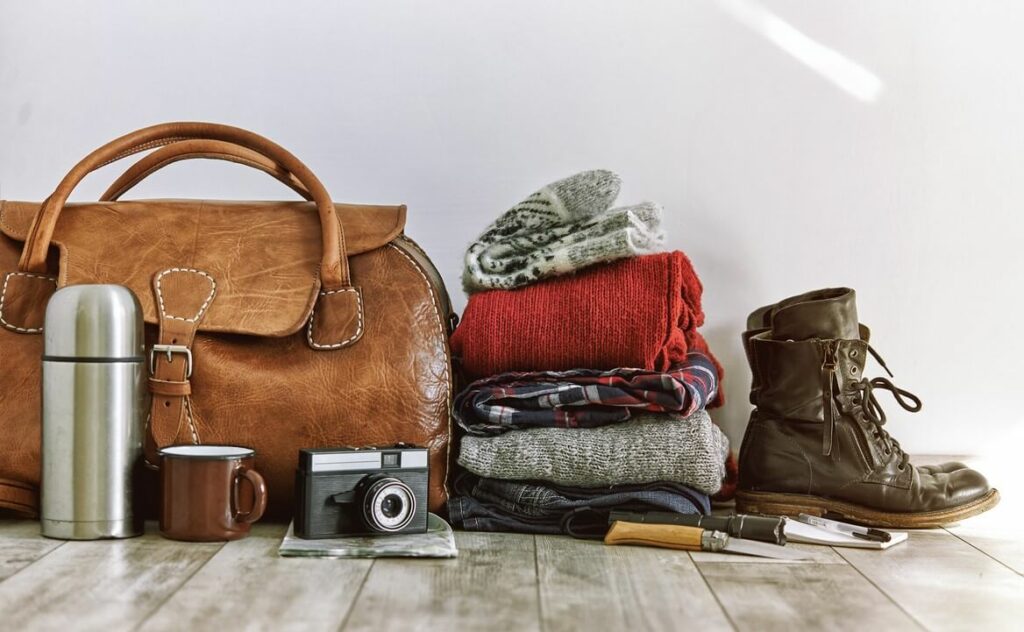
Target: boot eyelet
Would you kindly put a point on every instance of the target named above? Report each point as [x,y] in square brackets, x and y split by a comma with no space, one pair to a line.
[853,370]
[853,353]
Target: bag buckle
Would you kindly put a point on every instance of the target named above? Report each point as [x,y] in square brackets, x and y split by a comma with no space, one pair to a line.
[169,351]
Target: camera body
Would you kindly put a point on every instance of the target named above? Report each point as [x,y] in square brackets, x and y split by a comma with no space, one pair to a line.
[369,491]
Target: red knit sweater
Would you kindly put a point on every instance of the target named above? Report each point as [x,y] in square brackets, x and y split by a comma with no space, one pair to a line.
[641,312]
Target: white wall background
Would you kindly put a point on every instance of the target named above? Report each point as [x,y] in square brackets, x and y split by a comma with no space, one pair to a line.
[794,144]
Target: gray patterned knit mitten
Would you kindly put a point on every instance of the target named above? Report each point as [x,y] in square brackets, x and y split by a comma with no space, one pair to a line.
[565,226]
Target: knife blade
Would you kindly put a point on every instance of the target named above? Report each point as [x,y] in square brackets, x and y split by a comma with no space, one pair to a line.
[695,539]
[763,549]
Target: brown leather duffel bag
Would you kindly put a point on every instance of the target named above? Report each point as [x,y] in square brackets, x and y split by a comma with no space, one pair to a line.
[279,325]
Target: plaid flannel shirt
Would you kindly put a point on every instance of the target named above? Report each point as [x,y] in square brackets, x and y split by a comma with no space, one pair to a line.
[583,398]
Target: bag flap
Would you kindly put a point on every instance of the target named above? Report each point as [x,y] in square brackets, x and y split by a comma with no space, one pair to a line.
[264,256]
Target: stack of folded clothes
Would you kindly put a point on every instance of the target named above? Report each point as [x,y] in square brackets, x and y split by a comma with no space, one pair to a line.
[589,377]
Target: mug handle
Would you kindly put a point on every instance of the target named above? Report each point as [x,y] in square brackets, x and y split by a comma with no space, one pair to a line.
[259,487]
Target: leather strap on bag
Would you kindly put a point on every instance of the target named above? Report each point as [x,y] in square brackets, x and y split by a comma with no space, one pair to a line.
[334,271]
[192,149]
[183,296]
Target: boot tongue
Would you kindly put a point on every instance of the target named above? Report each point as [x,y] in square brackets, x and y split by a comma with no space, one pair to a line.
[829,314]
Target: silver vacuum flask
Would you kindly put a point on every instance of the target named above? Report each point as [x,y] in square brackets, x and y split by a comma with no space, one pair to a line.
[93,397]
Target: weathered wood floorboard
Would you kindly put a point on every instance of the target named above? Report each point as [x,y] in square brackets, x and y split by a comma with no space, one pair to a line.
[492,585]
[802,596]
[585,585]
[247,585]
[21,545]
[101,585]
[1002,541]
[945,583]
[507,582]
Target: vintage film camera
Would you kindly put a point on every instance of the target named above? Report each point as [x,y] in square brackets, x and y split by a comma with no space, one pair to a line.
[369,491]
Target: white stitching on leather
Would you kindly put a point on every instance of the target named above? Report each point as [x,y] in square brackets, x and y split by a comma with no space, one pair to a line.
[202,309]
[131,151]
[3,298]
[412,244]
[444,337]
[191,421]
[359,317]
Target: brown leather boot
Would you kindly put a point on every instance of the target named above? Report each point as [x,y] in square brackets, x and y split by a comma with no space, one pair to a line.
[816,441]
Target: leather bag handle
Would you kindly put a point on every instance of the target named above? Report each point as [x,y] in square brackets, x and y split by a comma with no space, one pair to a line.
[334,271]
[199,149]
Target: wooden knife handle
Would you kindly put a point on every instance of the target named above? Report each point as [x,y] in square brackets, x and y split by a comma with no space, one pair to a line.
[669,536]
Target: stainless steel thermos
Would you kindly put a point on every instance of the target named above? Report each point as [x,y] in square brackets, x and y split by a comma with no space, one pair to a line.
[93,396]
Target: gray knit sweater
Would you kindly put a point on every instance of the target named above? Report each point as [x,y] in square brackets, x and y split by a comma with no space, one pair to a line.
[649,448]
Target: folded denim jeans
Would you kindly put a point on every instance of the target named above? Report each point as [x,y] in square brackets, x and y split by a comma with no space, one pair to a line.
[488,504]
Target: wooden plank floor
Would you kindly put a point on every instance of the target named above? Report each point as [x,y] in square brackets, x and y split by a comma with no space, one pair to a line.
[965,577]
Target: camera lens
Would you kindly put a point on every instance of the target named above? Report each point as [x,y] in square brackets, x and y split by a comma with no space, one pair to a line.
[391,506]
[388,505]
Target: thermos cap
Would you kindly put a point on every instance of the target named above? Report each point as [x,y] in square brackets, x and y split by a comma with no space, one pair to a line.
[94,321]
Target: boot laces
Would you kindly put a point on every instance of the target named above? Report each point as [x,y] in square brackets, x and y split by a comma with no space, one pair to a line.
[874,413]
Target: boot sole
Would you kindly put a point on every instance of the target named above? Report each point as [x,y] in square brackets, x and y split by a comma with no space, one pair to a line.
[792,504]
